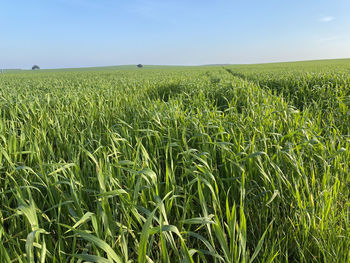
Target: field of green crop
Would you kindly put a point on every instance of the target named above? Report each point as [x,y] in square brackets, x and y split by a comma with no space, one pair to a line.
[246,163]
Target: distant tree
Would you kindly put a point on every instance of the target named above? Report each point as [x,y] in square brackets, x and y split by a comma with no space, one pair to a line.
[35,67]
[139,65]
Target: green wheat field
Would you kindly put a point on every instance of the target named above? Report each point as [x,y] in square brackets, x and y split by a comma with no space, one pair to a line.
[227,163]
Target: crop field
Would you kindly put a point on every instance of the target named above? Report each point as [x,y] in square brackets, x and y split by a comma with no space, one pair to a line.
[234,163]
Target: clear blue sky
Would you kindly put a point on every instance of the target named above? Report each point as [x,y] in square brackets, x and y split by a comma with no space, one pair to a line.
[77,33]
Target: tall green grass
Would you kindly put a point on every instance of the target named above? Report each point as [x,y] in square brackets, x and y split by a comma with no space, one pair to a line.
[176,165]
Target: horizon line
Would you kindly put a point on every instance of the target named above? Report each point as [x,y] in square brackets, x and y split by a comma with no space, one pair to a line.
[180,65]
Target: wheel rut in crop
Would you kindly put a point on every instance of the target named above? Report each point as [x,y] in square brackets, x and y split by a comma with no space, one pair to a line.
[299,95]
